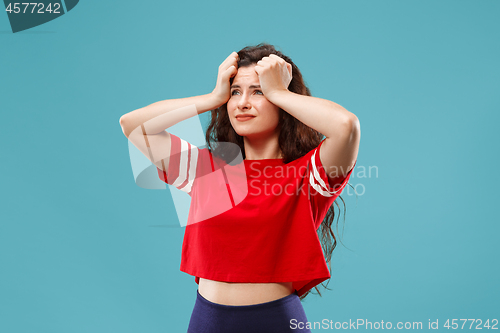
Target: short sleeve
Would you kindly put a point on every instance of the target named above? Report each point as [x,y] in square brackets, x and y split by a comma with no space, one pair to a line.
[182,166]
[322,194]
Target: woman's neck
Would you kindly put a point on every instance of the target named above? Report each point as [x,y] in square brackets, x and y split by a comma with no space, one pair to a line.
[262,148]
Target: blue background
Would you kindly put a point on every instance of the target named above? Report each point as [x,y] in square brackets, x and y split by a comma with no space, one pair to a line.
[84,249]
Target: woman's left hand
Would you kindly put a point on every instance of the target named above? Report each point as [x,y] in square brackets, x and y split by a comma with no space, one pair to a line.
[275,75]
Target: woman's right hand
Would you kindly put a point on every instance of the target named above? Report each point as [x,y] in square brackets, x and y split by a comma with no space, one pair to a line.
[227,70]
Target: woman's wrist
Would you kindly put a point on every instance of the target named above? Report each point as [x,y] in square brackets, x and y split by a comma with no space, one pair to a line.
[277,97]
[216,100]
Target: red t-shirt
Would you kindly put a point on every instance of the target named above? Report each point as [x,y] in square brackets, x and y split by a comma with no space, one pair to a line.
[254,221]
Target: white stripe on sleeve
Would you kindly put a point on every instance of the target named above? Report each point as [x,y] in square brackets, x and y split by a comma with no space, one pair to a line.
[183,164]
[321,188]
[192,168]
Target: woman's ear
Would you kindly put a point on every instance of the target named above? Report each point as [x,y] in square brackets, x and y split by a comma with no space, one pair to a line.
[289,66]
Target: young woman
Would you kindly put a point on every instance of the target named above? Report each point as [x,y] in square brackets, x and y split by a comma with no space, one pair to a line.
[258,257]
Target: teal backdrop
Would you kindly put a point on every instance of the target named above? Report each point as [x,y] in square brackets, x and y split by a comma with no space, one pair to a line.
[84,249]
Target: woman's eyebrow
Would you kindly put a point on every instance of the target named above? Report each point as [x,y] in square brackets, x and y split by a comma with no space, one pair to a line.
[252,86]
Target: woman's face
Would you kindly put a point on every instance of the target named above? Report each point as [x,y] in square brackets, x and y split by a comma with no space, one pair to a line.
[250,112]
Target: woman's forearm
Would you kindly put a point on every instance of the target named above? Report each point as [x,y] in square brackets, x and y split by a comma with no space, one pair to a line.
[326,117]
[159,116]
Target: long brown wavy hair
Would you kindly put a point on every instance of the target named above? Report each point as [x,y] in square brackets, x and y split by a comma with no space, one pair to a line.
[295,139]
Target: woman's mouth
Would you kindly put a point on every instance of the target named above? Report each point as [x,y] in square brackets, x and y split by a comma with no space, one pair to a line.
[244,118]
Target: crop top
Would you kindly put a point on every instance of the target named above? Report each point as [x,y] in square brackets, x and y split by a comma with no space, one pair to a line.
[256,221]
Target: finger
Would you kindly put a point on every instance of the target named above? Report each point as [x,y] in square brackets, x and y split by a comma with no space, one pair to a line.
[233,57]
[272,60]
[229,58]
[278,58]
[234,71]
[260,63]
[230,72]
[265,60]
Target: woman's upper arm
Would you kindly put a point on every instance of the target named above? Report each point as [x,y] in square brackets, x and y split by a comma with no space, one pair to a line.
[176,160]
[156,147]
[339,153]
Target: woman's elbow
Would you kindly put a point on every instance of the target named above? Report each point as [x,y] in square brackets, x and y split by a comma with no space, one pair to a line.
[353,128]
[124,125]
[354,123]
[349,128]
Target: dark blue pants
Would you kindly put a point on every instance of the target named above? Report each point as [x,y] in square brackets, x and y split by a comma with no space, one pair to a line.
[276,316]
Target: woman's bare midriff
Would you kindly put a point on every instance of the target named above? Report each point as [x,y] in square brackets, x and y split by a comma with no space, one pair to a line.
[229,293]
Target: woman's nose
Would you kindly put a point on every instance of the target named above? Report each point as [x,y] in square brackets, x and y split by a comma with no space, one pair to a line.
[244,102]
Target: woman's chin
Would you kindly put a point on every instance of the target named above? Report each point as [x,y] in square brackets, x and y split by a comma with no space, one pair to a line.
[245,132]
[249,134]
[255,131]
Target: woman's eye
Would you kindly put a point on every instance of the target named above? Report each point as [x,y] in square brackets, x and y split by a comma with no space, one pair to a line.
[236,92]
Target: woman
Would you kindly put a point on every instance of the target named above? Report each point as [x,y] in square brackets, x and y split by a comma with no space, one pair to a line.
[255,261]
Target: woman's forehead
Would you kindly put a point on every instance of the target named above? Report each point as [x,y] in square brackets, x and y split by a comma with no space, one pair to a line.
[246,75]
